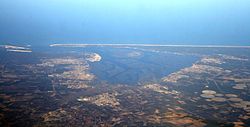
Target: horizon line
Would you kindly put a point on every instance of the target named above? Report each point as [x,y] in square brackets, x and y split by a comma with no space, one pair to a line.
[146,45]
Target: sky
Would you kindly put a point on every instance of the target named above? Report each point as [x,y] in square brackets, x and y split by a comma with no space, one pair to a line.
[208,22]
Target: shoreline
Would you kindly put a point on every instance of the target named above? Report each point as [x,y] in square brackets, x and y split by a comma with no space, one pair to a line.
[149,45]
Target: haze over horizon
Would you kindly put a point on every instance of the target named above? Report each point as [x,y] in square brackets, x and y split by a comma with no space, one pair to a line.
[189,22]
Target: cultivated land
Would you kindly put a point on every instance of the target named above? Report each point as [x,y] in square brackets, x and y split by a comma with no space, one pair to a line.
[125,84]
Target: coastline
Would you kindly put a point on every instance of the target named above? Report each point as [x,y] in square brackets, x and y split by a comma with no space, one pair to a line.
[149,45]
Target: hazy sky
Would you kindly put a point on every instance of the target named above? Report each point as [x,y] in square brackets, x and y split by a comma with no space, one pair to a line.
[225,22]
